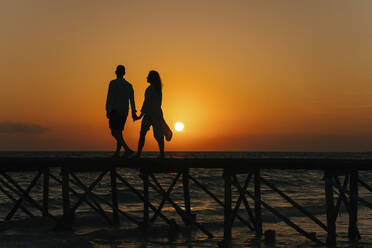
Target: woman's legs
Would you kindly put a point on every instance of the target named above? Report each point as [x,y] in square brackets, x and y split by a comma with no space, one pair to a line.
[161,146]
[158,135]
[145,126]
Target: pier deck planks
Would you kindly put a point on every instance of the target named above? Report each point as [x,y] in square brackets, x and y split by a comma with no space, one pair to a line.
[176,164]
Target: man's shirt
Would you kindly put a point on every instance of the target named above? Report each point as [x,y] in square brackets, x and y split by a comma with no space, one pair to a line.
[119,93]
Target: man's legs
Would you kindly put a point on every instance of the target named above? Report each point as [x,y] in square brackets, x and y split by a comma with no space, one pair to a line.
[118,135]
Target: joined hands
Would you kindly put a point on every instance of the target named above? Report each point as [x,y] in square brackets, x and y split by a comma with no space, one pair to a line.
[135,117]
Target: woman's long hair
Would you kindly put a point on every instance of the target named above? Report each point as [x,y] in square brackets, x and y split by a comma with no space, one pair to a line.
[155,80]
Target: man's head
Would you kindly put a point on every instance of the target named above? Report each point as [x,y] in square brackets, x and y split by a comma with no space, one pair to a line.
[120,71]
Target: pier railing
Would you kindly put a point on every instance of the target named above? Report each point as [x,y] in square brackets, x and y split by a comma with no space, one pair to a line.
[341,187]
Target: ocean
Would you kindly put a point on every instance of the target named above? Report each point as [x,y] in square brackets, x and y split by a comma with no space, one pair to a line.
[91,230]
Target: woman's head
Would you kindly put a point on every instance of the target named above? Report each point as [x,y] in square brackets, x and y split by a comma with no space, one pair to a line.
[154,79]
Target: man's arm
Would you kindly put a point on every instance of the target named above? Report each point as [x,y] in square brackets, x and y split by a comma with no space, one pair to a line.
[109,100]
[133,105]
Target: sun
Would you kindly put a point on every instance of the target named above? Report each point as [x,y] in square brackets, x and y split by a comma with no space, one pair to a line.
[179,126]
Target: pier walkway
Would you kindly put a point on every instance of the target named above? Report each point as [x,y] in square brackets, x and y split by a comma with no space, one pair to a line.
[341,187]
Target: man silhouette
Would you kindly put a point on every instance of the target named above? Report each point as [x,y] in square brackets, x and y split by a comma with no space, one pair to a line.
[120,93]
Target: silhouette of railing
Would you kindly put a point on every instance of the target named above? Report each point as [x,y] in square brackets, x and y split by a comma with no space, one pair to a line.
[249,191]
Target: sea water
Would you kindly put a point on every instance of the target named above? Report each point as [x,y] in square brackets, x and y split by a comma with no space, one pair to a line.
[92,230]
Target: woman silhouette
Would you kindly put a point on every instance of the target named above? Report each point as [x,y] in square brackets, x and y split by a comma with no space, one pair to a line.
[153,115]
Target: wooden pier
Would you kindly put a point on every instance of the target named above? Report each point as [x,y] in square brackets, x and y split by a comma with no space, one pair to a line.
[336,191]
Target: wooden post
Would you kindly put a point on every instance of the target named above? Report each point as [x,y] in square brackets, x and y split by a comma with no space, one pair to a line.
[115,213]
[45,191]
[353,212]
[145,178]
[186,194]
[179,211]
[242,197]
[213,196]
[143,199]
[286,220]
[331,210]
[227,209]
[67,215]
[257,203]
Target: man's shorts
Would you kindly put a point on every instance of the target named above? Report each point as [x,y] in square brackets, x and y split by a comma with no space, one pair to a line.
[117,120]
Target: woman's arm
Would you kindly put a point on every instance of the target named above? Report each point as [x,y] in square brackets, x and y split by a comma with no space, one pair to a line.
[147,102]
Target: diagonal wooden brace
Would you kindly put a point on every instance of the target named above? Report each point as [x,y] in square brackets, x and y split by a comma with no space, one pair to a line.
[88,190]
[95,198]
[73,191]
[342,192]
[208,192]
[167,194]
[286,220]
[5,192]
[241,198]
[294,204]
[20,200]
[89,193]
[22,193]
[179,210]
[151,206]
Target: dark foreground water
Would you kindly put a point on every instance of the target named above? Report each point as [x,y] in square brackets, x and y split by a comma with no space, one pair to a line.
[91,230]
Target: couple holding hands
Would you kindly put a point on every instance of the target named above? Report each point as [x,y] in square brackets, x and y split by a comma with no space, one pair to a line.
[120,93]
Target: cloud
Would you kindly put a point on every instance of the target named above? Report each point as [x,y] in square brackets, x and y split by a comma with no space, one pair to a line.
[8,127]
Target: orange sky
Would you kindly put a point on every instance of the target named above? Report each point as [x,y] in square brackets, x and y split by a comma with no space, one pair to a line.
[241,75]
